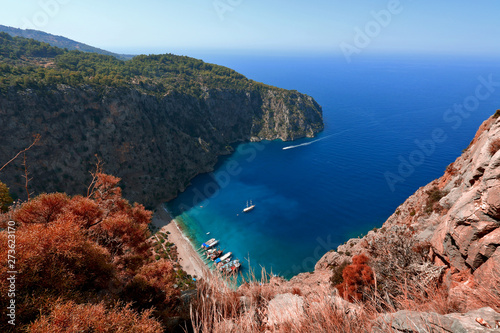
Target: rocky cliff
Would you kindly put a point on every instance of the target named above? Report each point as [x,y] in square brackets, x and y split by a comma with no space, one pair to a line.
[457,216]
[155,144]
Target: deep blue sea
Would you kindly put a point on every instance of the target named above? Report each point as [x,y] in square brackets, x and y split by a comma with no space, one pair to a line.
[392,124]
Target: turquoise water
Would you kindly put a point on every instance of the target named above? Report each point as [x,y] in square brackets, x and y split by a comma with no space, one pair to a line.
[380,115]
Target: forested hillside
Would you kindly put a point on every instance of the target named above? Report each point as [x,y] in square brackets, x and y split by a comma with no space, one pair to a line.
[156,121]
[58,41]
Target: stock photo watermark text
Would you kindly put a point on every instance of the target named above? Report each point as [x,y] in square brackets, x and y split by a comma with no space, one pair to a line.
[222,7]
[12,273]
[364,36]
[454,117]
[48,9]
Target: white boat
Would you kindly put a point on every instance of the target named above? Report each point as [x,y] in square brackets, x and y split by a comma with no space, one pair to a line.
[224,257]
[210,251]
[212,244]
[220,263]
[232,267]
[209,243]
[249,207]
[227,268]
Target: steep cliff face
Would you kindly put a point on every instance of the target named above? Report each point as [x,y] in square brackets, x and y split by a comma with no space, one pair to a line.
[155,144]
[457,215]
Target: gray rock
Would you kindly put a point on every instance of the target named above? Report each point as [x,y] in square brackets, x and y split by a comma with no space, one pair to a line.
[468,321]
[284,308]
[419,322]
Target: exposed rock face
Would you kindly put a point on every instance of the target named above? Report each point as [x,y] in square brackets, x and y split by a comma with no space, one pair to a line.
[285,308]
[458,214]
[411,321]
[156,145]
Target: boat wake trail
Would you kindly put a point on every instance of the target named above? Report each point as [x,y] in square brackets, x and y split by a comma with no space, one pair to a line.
[311,142]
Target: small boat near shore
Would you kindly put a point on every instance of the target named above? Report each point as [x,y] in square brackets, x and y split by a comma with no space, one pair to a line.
[214,255]
[222,261]
[248,207]
[218,262]
[231,267]
[211,243]
[226,256]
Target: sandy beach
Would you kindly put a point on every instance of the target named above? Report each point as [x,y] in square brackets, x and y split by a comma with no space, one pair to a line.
[188,257]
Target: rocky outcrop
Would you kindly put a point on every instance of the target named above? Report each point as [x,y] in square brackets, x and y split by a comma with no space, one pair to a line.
[458,215]
[285,308]
[414,322]
[155,144]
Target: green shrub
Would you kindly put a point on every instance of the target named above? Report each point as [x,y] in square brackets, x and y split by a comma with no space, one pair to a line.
[434,195]
[336,277]
[5,198]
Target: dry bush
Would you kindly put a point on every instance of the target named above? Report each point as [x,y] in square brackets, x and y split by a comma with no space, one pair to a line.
[153,286]
[324,316]
[432,203]
[45,208]
[84,211]
[296,291]
[398,258]
[85,249]
[358,279]
[419,296]
[215,303]
[220,309]
[55,260]
[70,317]
[494,146]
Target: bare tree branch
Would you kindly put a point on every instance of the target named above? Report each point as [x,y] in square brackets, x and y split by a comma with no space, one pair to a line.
[26,177]
[98,170]
[37,138]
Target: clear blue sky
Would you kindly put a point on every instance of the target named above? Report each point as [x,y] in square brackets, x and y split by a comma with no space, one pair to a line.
[287,26]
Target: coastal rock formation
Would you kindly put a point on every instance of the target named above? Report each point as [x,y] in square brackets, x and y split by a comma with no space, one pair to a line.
[413,322]
[155,144]
[457,216]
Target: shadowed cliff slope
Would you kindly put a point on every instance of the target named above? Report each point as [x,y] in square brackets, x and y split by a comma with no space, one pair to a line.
[155,121]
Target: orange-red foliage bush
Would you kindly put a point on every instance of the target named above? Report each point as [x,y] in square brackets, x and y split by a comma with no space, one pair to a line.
[58,257]
[120,227]
[358,279]
[45,208]
[153,285]
[161,275]
[80,249]
[84,211]
[71,317]
[53,260]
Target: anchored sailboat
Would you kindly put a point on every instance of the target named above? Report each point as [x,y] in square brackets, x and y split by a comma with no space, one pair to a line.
[249,207]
